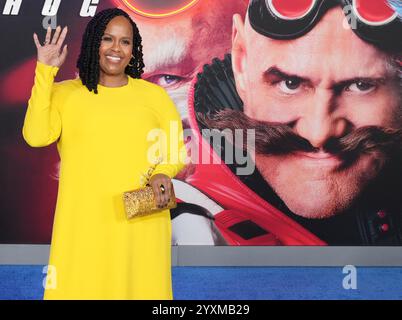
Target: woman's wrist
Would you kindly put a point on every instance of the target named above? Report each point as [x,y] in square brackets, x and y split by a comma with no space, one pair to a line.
[46,70]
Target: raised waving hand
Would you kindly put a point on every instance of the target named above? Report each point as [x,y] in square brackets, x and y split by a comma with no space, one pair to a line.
[50,52]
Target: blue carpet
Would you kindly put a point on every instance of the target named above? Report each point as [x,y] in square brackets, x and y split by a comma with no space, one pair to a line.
[233,283]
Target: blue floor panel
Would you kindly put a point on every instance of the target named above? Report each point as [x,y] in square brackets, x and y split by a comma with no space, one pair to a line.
[233,283]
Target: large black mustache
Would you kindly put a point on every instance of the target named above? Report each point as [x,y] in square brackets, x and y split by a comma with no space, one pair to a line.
[276,139]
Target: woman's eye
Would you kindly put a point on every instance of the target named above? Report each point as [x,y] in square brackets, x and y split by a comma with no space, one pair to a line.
[361,87]
[290,86]
[126,42]
[106,38]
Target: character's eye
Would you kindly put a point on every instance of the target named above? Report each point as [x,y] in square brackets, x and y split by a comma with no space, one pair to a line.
[126,42]
[361,87]
[290,86]
[106,38]
[166,80]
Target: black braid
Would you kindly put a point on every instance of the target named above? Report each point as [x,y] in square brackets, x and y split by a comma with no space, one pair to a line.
[88,60]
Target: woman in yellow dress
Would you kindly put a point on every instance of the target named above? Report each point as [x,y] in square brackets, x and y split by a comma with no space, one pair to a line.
[104,123]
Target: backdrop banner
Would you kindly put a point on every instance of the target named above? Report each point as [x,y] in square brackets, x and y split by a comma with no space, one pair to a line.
[291,113]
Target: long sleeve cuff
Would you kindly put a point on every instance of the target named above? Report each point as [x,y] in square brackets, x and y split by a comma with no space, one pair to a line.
[45,74]
[174,165]
[42,122]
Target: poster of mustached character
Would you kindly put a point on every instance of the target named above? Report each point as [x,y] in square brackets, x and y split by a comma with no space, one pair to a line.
[291,111]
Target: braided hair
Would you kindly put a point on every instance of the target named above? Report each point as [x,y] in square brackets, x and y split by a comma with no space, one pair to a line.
[88,60]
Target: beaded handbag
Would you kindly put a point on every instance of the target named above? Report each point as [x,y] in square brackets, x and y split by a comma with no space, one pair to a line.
[142,201]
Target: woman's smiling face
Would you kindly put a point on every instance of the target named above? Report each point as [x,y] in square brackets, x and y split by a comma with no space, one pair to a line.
[115,51]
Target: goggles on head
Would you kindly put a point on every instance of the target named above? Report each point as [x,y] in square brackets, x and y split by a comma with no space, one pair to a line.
[374,21]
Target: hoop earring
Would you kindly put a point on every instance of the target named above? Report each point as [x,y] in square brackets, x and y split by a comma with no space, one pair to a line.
[130,60]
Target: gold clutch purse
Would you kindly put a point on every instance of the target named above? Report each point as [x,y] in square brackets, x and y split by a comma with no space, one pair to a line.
[142,201]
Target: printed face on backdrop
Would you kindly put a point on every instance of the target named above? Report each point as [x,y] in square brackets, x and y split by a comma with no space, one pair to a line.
[174,47]
[324,85]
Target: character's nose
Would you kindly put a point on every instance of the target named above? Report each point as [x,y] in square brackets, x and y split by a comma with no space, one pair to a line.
[320,121]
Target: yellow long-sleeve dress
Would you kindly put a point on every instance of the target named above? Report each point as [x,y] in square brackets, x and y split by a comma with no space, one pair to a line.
[104,147]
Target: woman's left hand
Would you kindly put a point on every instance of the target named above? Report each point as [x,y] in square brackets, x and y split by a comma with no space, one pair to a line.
[162,187]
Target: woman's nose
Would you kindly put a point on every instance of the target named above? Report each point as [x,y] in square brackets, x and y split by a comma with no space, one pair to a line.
[116,46]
